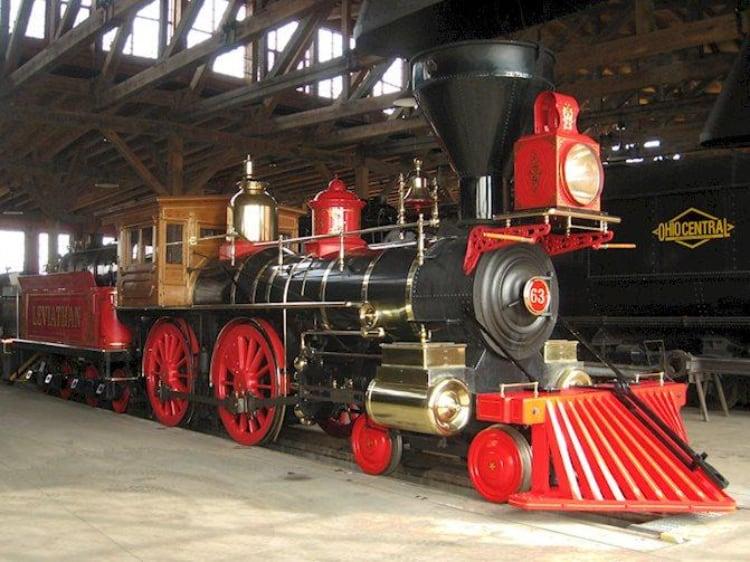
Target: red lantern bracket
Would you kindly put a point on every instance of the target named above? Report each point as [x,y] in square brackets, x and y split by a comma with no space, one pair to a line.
[485,239]
[555,244]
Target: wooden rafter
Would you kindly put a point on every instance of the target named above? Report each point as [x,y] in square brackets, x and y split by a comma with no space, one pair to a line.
[221,41]
[101,20]
[13,53]
[135,162]
[179,38]
[68,19]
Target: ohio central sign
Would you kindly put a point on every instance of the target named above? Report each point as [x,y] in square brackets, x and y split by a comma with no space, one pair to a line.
[693,228]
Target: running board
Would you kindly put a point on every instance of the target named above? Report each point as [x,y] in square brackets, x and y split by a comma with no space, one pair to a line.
[590,451]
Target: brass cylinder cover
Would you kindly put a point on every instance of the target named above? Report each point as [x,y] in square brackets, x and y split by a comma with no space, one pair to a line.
[443,408]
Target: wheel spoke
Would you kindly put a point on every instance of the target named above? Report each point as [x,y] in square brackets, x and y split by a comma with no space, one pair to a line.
[241,351]
[252,349]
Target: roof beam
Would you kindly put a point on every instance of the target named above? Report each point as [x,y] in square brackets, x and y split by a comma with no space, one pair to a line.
[68,19]
[101,20]
[201,73]
[320,115]
[114,55]
[136,163]
[220,42]
[299,41]
[260,90]
[19,30]
[362,133]
[177,43]
[712,66]
[673,38]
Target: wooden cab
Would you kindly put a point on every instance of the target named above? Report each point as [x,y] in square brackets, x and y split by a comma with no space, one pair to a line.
[157,264]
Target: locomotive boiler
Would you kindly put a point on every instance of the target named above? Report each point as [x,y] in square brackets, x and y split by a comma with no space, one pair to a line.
[438,337]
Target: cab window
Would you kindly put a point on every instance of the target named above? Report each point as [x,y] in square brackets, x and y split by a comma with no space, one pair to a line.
[174,243]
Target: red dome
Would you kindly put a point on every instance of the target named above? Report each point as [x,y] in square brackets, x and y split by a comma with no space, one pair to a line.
[336,195]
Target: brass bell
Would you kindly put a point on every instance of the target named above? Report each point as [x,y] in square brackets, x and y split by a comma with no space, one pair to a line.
[418,195]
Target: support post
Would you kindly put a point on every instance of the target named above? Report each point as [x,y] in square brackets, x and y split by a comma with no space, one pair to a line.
[346,32]
[4,26]
[175,164]
[31,251]
[52,234]
[362,181]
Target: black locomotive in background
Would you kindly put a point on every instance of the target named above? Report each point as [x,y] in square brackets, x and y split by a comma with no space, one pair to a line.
[687,284]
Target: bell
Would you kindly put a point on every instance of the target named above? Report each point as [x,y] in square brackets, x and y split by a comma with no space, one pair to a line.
[418,195]
[252,210]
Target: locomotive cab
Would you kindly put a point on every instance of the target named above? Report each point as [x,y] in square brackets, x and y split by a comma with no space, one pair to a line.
[165,242]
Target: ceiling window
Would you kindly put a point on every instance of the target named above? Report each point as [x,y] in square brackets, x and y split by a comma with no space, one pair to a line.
[330,46]
[393,80]
[206,23]
[11,258]
[36,19]
[83,12]
[143,41]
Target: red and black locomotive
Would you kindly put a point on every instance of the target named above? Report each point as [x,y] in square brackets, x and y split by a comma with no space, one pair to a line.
[439,336]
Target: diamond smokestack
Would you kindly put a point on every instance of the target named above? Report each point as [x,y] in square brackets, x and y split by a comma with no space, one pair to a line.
[478,96]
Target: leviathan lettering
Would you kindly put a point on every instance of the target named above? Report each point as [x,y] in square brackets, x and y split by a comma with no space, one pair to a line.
[58,316]
[693,228]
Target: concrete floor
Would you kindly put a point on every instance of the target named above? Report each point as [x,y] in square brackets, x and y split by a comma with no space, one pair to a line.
[78,483]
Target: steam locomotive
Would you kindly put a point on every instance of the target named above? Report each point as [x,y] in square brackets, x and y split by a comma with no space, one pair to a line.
[437,337]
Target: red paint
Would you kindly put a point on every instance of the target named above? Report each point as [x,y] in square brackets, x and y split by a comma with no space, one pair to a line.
[69,308]
[335,210]
[246,362]
[168,359]
[120,405]
[372,446]
[477,244]
[556,244]
[604,458]
[242,249]
[537,296]
[539,158]
[495,464]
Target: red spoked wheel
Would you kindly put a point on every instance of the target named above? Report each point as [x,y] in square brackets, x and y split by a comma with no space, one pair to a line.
[247,361]
[341,423]
[91,374]
[499,463]
[377,450]
[120,405]
[168,361]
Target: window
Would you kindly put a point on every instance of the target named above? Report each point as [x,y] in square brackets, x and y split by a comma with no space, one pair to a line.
[144,39]
[12,243]
[63,244]
[83,12]
[147,239]
[36,25]
[107,240]
[392,81]
[134,241]
[330,46]
[206,23]
[174,243]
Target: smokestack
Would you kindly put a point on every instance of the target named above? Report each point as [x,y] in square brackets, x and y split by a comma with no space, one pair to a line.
[478,97]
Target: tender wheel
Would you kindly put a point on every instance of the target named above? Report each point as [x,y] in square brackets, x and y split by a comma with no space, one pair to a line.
[499,463]
[377,450]
[91,374]
[168,360]
[341,422]
[120,405]
[65,391]
[247,361]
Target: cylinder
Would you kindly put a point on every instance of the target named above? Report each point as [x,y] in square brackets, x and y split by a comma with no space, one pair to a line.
[442,408]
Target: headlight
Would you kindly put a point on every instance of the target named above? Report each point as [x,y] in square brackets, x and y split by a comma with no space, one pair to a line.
[582,173]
